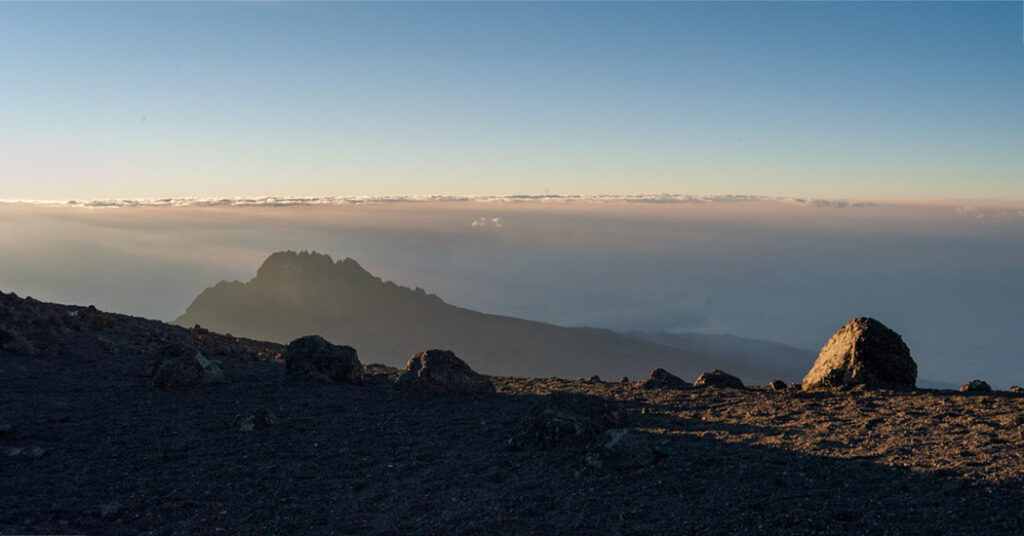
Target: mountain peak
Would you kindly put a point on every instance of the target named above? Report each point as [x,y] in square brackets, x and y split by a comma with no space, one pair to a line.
[291,263]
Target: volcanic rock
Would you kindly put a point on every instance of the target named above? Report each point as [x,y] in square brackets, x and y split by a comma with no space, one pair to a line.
[976,386]
[717,378]
[14,342]
[262,418]
[314,357]
[863,352]
[563,418]
[663,379]
[622,448]
[441,372]
[185,367]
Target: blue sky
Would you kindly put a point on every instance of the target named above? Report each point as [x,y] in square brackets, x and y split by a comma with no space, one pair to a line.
[907,100]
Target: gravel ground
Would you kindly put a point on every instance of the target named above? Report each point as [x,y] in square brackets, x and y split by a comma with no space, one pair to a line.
[89,446]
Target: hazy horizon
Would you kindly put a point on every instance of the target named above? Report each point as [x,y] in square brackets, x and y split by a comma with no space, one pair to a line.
[946,277]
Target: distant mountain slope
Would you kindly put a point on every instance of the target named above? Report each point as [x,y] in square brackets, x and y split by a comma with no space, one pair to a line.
[296,294]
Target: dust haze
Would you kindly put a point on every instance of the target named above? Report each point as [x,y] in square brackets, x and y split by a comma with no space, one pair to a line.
[947,277]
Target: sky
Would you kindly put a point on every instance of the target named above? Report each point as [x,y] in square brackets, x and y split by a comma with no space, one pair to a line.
[906,100]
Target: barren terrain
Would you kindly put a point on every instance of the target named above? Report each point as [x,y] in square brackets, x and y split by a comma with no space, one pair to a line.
[88,445]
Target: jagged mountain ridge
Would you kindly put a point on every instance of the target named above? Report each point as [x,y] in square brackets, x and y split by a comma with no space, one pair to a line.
[302,293]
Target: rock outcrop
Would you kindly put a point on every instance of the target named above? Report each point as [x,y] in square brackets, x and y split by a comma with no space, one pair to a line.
[314,357]
[663,379]
[441,372]
[863,352]
[717,378]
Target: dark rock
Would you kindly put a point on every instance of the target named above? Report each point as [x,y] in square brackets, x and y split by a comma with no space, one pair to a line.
[976,386]
[185,367]
[441,372]
[777,385]
[622,448]
[1016,389]
[624,379]
[110,509]
[11,340]
[26,452]
[863,352]
[594,379]
[262,418]
[316,358]
[663,379]
[717,378]
[568,419]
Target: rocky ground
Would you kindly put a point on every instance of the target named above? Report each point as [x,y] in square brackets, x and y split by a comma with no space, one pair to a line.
[89,445]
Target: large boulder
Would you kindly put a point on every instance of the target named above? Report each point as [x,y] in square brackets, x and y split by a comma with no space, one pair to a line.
[717,378]
[663,379]
[184,366]
[441,372]
[863,352]
[314,357]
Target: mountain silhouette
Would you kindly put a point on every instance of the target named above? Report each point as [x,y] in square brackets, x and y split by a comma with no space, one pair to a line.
[296,294]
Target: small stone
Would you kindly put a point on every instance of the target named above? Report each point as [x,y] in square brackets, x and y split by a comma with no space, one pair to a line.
[717,378]
[594,379]
[261,418]
[185,367]
[1016,389]
[110,509]
[624,379]
[976,386]
[26,452]
[777,385]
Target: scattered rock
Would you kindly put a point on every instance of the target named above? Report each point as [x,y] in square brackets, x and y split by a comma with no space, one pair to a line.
[594,379]
[262,418]
[863,352]
[441,372]
[976,386]
[777,385]
[316,358]
[185,367]
[1016,389]
[717,378]
[563,418]
[624,379]
[663,379]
